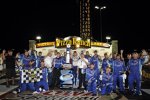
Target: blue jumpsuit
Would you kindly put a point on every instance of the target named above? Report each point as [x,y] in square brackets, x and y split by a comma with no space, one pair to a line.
[135,67]
[118,69]
[95,60]
[43,82]
[25,61]
[38,59]
[58,62]
[88,57]
[107,83]
[105,64]
[91,77]
[111,61]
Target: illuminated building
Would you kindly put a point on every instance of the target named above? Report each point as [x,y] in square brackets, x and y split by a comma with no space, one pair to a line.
[85,27]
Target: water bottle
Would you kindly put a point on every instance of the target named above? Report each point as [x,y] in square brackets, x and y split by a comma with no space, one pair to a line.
[83,71]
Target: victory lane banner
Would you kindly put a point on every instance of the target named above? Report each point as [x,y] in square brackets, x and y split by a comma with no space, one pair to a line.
[31,75]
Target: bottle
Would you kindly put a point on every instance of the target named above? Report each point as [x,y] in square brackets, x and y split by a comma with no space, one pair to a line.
[83,71]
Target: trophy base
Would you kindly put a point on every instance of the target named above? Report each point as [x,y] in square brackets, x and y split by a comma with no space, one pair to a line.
[67,66]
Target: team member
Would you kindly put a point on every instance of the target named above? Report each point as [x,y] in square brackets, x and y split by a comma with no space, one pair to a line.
[82,65]
[95,60]
[30,85]
[118,73]
[38,59]
[105,62]
[44,82]
[135,69]
[106,81]
[91,79]
[26,58]
[57,63]
[87,56]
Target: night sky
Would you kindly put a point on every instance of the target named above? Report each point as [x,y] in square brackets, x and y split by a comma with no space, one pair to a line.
[124,20]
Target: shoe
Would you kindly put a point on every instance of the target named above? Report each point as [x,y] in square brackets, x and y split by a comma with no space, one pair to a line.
[18,90]
[114,91]
[40,89]
[8,86]
[122,92]
[131,93]
[35,92]
[136,95]
[93,94]
[79,87]
[14,92]
[85,91]
[44,91]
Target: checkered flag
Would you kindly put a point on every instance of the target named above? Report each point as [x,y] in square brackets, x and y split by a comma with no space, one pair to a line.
[31,75]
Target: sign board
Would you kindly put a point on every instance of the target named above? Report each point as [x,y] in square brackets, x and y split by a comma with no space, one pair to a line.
[45,44]
[73,41]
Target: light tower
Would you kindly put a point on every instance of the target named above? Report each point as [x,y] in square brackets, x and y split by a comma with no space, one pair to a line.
[85,28]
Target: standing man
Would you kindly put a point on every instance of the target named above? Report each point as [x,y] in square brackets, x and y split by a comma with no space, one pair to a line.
[118,71]
[57,63]
[39,58]
[82,65]
[48,63]
[106,62]
[25,59]
[87,56]
[95,60]
[75,59]
[10,67]
[126,60]
[135,71]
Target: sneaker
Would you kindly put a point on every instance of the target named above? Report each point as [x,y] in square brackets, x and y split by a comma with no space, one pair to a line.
[85,91]
[35,92]
[138,94]
[40,89]
[18,90]
[14,92]
[43,91]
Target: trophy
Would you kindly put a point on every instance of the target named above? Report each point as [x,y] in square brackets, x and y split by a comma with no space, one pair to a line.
[67,65]
[66,74]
